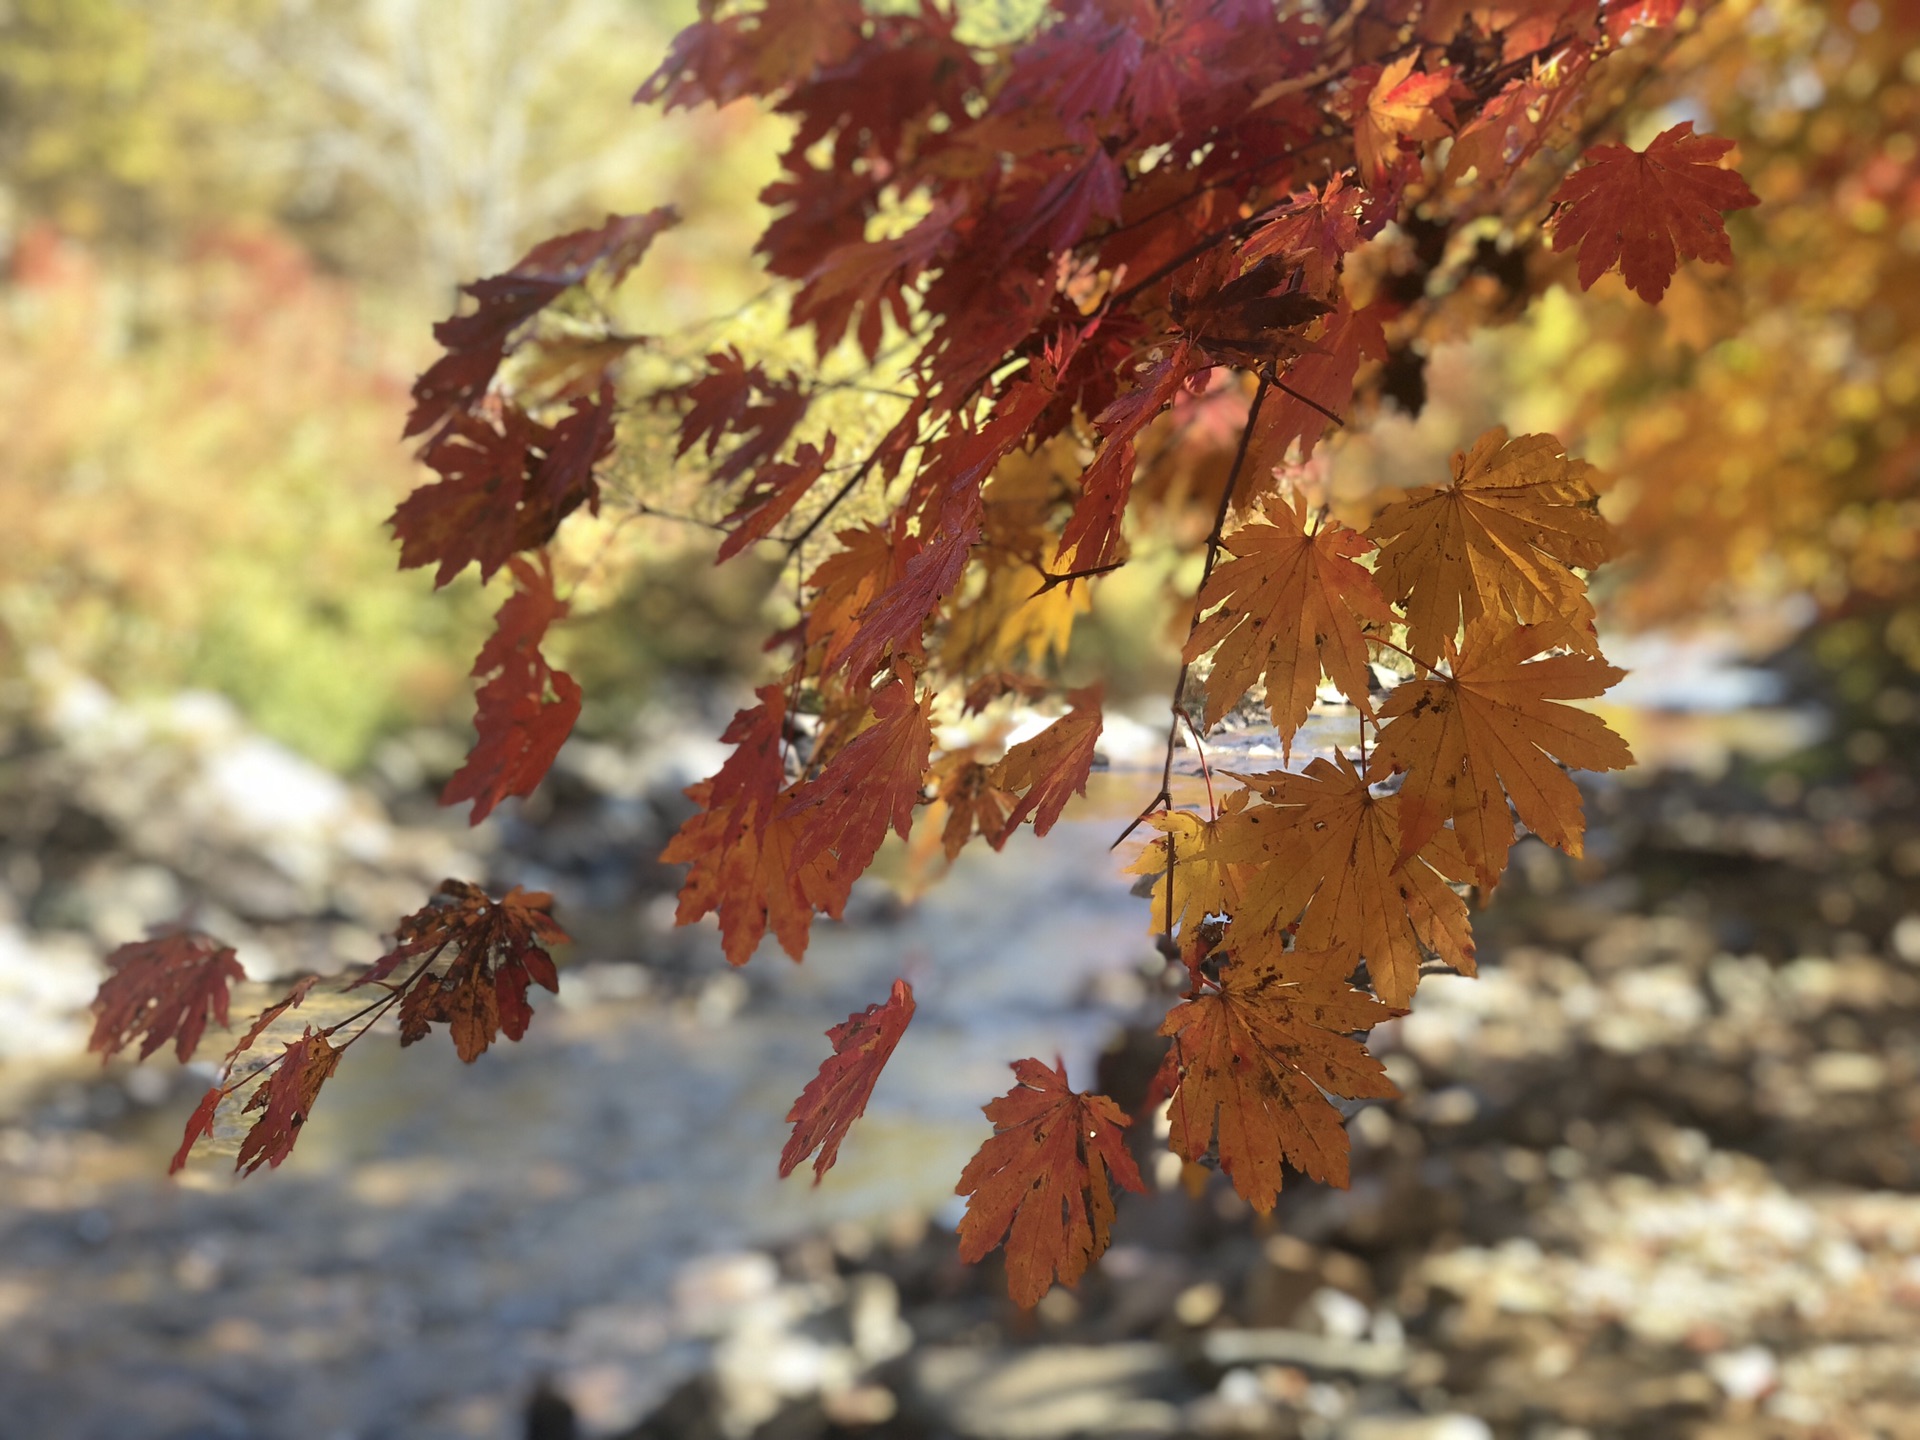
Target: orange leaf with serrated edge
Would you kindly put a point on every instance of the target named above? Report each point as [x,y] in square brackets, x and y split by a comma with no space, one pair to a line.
[286,1101]
[1041,1181]
[1501,539]
[872,783]
[1646,210]
[163,989]
[837,1096]
[1319,393]
[1325,844]
[1491,731]
[1290,604]
[1053,766]
[1400,104]
[974,804]
[1252,1055]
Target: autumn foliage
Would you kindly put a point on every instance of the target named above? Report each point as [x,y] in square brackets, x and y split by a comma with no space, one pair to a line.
[1118,278]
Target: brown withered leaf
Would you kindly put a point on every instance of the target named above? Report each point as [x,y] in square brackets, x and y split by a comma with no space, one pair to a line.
[499,949]
[286,1101]
[1041,1181]
[1251,1055]
[837,1096]
[1290,604]
[1491,731]
[162,989]
[1501,539]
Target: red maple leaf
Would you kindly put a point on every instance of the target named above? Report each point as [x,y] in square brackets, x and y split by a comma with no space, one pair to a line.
[527,709]
[739,850]
[873,783]
[837,1096]
[1092,534]
[1040,1182]
[286,1102]
[165,989]
[1646,210]
[1318,392]
[506,484]
[478,342]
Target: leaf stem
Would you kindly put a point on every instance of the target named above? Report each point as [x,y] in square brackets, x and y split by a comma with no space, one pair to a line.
[1164,800]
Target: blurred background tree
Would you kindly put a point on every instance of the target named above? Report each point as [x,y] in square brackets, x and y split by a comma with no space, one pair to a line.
[230,226]
[231,222]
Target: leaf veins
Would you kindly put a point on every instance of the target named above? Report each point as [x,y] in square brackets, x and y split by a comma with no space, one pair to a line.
[1491,731]
[1326,844]
[1501,539]
[1290,604]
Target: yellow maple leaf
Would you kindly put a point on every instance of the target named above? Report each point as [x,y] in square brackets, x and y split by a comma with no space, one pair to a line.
[1290,604]
[1501,539]
[1490,731]
[1330,858]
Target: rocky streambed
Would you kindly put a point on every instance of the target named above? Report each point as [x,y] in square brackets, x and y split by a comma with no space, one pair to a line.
[1653,1174]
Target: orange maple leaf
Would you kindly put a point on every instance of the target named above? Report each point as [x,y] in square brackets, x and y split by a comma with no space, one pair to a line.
[872,558]
[1490,731]
[1041,1181]
[1646,210]
[1290,604]
[837,1096]
[286,1101]
[974,804]
[1501,539]
[1251,1055]
[1400,104]
[1327,845]
[163,989]
[1053,766]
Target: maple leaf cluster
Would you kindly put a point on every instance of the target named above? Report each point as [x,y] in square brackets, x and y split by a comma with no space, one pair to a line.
[1130,266]
[469,960]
